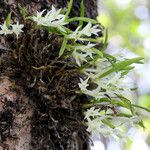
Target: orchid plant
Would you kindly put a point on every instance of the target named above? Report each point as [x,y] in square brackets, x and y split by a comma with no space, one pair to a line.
[103,114]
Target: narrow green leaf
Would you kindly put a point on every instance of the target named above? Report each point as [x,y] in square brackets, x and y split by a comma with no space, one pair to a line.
[69,9]
[125,63]
[117,102]
[127,69]
[22,11]
[8,19]
[81,13]
[63,46]
[111,101]
[127,103]
[67,30]
[141,124]
[105,41]
[146,109]
[98,52]
[110,57]
[121,65]
[84,19]
[107,122]
[98,40]
[55,30]
[123,115]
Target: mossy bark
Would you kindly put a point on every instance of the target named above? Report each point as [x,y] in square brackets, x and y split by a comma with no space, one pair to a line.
[56,120]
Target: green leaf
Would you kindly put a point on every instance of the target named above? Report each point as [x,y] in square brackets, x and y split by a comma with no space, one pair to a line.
[84,19]
[67,29]
[63,46]
[111,101]
[121,66]
[123,103]
[128,62]
[123,115]
[98,40]
[98,52]
[107,122]
[51,29]
[30,18]
[110,57]
[22,11]
[144,108]
[54,30]
[8,19]
[69,9]
[127,103]
[105,41]
[81,13]
[141,124]
[127,69]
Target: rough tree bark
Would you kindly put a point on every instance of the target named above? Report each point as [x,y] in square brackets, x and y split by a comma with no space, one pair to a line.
[39,109]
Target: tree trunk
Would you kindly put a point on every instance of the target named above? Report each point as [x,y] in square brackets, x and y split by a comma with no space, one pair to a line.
[39,109]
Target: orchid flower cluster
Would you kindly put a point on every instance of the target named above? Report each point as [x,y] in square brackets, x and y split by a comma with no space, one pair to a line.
[107,88]
[88,30]
[15,28]
[110,85]
[102,74]
[52,18]
[96,124]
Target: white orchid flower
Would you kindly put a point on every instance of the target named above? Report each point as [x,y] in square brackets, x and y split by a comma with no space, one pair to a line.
[96,93]
[39,18]
[98,68]
[92,112]
[55,14]
[4,29]
[94,126]
[75,34]
[87,49]
[53,18]
[17,28]
[79,57]
[83,84]
[88,30]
